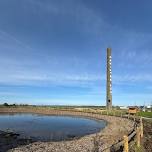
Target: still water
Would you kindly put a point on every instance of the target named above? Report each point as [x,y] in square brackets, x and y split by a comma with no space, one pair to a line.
[45,128]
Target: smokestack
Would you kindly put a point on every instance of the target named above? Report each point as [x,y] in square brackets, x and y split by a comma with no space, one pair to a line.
[109,79]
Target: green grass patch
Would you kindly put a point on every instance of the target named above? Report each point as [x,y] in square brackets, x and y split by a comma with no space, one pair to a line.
[145,114]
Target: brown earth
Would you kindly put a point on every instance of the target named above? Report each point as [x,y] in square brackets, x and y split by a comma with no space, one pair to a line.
[147,140]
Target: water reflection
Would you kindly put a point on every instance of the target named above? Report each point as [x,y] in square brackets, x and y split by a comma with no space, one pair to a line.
[46,128]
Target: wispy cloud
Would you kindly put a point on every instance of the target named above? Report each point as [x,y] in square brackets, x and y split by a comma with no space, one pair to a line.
[58,79]
[8,37]
[86,18]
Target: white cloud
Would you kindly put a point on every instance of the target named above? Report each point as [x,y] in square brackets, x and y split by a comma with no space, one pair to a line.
[128,78]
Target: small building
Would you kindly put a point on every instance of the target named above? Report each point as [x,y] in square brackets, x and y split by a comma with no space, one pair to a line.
[133,110]
[149,108]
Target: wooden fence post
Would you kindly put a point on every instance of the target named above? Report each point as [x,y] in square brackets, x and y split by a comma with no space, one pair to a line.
[134,118]
[141,127]
[138,136]
[128,115]
[125,143]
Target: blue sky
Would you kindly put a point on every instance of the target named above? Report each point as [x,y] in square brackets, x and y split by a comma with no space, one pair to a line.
[54,51]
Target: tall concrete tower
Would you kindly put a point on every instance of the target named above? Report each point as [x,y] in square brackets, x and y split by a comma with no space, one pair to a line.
[109,79]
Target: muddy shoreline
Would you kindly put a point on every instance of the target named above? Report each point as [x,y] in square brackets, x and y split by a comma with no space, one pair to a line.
[115,130]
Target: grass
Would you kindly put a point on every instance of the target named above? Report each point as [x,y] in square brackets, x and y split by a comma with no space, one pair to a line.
[89,109]
[145,114]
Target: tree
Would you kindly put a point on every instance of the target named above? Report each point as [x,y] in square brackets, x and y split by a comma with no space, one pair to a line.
[6,104]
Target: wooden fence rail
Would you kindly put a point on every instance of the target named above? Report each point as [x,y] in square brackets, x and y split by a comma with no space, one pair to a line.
[123,145]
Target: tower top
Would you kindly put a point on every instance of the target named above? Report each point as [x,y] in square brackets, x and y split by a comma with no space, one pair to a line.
[108,51]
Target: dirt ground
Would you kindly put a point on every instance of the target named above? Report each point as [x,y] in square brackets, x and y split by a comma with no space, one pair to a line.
[147,140]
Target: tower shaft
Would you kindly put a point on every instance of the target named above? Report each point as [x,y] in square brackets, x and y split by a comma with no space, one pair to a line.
[109,79]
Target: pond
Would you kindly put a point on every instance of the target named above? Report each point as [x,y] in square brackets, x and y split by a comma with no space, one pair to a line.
[49,128]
